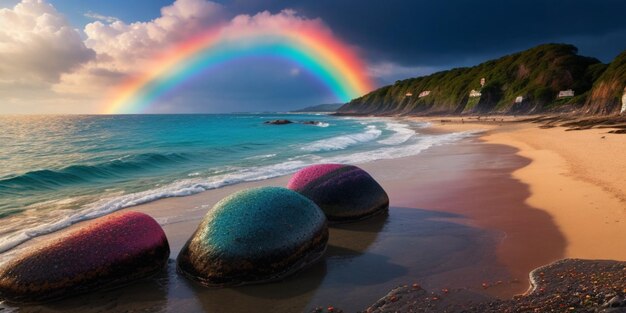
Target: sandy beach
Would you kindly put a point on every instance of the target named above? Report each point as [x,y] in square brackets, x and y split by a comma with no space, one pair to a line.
[478,214]
[577,177]
[312,156]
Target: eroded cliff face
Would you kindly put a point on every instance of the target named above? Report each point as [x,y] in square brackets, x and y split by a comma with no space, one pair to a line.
[604,100]
[608,90]
[623,102]
[547,78]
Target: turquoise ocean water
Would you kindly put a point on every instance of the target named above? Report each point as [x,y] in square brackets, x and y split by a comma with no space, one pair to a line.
[59,170]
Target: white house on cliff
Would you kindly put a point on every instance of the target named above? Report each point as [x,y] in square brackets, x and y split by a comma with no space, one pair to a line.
[566,93]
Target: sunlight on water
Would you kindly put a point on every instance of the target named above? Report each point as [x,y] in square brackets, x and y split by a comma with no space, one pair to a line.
[59,170]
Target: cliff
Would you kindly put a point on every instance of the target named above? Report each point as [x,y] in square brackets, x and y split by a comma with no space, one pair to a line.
[608,89]
[547,78]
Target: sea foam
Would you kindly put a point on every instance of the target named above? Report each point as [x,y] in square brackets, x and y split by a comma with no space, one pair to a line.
[342,142]
[401,133]
[402,142]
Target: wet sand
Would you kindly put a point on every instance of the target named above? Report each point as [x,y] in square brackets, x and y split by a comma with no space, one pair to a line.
[458,219]
[492,199]
[575,176]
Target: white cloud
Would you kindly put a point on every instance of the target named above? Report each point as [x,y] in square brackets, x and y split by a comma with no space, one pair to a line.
[126,49]
[100,17]
[284,19]
[40,49]
[37,44]
[123,49]
[122,46]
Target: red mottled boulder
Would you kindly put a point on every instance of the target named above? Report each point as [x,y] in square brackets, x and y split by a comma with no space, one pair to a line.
[105,253]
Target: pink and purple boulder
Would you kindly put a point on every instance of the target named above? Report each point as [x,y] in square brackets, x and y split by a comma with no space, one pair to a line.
[105,253]
[343,192]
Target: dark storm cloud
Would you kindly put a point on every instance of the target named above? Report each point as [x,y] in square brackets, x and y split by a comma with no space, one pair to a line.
[402,39]
[462,32]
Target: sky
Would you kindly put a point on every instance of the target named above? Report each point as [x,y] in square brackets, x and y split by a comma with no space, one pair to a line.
[68,56]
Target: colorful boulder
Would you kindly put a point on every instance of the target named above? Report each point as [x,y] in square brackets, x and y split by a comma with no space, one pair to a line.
[105,253]
[253,236]
[343,192]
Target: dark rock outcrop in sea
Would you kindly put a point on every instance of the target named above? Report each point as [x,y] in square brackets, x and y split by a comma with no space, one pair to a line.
[310,122]
[278,122]
[253,236]
[108,252]
[343,192]
[285,122]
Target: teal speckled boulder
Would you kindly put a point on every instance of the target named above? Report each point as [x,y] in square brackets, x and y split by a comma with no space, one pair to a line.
[253,236]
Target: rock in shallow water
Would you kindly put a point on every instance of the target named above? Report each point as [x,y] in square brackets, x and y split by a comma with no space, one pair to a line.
[343,192]
[253,236]
[278,122]
[105,253]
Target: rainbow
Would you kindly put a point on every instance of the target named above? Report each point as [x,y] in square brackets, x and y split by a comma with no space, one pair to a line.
[315,51]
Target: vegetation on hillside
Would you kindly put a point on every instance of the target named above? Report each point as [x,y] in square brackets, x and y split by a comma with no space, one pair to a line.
[608,89]
[533,77]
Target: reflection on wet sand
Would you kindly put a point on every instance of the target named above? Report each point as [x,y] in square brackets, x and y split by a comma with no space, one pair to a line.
[476,213]
[140,296]
[363,259]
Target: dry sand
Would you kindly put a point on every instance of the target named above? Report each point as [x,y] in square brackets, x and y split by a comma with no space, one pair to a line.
[484,210]
[578,177]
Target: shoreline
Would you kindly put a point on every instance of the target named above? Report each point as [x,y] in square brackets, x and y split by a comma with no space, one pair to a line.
[575,176]
[461,181]
[579,169]
[419,187]
[402,187]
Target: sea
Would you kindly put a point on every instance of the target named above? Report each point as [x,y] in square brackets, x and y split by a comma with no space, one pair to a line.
[58,170]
